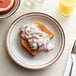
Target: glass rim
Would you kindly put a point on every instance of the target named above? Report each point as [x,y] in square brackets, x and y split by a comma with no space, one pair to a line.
[68,3]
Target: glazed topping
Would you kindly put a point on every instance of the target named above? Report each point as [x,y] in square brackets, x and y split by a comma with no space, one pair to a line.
[37,39]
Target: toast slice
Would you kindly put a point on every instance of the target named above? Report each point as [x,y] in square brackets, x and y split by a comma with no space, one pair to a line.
[42,28]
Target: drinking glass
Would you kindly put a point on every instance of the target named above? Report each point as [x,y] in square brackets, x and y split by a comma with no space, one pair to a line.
[66,7]
[40,1]
[30,3]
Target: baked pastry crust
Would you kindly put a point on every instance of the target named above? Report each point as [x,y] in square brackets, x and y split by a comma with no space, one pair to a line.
[42,28]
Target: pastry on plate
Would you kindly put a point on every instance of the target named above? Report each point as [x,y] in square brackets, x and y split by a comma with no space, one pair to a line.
[36,37]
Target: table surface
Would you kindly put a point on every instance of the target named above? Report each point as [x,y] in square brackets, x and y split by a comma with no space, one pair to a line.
[9,68]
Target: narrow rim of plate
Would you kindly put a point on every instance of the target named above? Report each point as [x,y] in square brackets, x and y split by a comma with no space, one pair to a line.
[12,11]
[58,54]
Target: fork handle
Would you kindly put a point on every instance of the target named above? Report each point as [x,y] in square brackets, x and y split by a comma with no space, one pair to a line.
[68,66]
[74,68]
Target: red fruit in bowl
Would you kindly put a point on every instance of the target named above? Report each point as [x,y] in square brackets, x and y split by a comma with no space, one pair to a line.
[6,5]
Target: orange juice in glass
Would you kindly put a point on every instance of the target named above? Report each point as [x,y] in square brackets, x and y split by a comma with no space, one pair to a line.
[66,7]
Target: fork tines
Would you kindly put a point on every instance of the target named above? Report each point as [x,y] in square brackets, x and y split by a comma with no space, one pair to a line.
[74,47]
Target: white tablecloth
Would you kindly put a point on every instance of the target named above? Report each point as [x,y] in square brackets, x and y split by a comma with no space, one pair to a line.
[9,68]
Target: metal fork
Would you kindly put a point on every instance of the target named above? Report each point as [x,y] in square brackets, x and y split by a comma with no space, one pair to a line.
[73,52]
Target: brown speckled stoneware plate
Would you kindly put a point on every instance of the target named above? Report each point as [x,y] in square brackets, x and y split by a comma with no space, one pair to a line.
[20,55]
